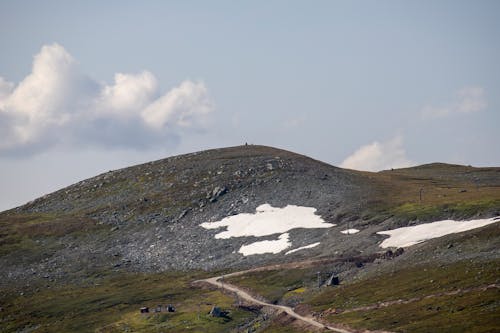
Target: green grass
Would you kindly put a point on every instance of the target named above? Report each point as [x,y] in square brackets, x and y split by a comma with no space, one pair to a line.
[276,284]
[415,281]
[417,211]
[471,312]
[465,312]
[431,191]
[285,325]
[21,232]
[114,303]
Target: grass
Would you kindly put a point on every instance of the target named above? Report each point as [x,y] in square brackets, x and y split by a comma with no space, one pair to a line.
[113,304]
[276,284]
[415,277]
[471,312]
[431,191]
[21,231]
[283,324]
[475,311]
[409,282]
[416,211]
[295,292]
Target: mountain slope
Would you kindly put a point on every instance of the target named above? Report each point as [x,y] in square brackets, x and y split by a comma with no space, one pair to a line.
[126,237]
[147,217]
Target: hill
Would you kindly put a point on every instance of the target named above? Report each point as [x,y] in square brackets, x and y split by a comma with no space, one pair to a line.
[168,217]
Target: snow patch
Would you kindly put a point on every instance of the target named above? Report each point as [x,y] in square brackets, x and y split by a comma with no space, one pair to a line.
[349,231]
[267,246]
[268,220]
[408,236]
[303,247]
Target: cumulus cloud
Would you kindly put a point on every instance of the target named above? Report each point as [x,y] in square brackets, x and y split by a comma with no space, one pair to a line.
[6,88]
[378,156]
[467,100]
[129,93]
[56,104]
[184,105]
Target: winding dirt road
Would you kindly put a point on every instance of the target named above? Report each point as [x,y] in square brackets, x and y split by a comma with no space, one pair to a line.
[216,281]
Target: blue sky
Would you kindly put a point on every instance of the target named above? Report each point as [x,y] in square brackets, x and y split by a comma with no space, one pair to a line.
[96,85]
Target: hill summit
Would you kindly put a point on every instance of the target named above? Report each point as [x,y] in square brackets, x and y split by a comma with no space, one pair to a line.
[316,241]
[163,214]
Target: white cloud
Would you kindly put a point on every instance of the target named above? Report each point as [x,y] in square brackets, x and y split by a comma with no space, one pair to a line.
[46,99]
[57,104]
[6,88]
[185,106]
[130,92]
[378,156]
[467,100]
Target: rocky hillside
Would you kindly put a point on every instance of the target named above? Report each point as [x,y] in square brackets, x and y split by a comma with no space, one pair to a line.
[147,217]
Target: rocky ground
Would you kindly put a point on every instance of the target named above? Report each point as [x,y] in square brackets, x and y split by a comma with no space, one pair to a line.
[146,218]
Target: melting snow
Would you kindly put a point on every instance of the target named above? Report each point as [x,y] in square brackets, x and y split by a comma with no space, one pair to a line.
[407,236]
[267,246]
[303,247]
[349,231]
[267,221]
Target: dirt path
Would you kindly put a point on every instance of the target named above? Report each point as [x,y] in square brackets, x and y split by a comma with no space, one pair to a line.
[301,264]
[246,296]
[216,281]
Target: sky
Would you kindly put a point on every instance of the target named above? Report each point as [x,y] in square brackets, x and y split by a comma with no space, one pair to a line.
[92,86]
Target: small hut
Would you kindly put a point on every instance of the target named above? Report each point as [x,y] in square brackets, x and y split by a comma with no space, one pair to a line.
[333,280]
[144,309]
[216,312]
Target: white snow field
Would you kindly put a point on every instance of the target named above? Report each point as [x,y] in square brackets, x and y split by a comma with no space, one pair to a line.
[266,246]
[303,247]
[408,236]
[266,221]
[350,231]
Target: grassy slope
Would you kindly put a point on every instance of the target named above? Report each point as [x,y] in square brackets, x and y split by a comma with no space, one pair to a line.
[414,281]
[468,312]
[112,306]
[427,269]
[286,324]
[422,271]
[471,312]
[276,284]
[450,190]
